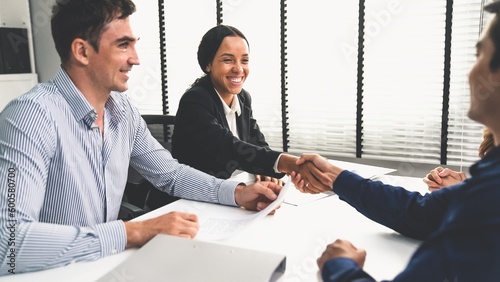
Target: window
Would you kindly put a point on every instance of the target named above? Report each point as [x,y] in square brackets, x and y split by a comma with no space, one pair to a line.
[404,53]
[145,80]
[322,44]
[263,84]
[464,135]
[387,100]
[185,24]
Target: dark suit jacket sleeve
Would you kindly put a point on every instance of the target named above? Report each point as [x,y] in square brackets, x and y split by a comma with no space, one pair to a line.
[344,269]
[460,225]
[198,125]
[409,213]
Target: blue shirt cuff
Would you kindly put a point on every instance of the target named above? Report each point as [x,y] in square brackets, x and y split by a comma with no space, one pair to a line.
[226,192]
[113,237]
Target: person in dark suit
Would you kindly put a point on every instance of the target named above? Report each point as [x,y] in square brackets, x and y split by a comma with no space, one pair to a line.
[204,139]
[459,226]
[214,129]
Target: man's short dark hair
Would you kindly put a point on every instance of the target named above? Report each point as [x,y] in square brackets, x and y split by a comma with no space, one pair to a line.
[84,19]
[492,7]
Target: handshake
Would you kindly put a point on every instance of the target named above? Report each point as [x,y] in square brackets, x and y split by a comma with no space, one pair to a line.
[311,173]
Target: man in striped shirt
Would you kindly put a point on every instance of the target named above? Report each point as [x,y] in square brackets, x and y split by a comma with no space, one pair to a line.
[65,148]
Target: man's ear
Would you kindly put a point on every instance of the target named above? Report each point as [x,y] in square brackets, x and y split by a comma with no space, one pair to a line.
[79,51]
[207,68]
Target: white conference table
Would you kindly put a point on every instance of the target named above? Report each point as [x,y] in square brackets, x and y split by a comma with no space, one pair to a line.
[300,232]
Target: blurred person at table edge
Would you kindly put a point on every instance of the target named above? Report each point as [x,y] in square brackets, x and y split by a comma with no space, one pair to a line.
[459,225]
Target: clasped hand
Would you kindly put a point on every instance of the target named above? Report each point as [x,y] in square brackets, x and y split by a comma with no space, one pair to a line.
[314,174]
[441,177]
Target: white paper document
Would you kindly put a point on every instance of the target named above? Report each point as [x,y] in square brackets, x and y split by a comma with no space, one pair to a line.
[223,226]
[295,197]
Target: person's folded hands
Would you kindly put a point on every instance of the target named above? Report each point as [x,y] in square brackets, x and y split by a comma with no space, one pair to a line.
[441,177]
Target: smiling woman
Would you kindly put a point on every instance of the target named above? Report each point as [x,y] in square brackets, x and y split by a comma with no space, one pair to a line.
[214,129]
[228,68]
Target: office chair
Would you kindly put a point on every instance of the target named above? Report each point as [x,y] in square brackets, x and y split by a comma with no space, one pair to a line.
[162,128]
[137,187]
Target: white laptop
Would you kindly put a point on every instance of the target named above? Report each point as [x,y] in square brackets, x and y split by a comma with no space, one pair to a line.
[170,258]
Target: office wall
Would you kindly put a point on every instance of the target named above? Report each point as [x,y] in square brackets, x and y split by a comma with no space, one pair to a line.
[15,14]
[46,58]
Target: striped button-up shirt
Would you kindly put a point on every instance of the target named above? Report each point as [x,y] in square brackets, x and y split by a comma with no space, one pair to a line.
[62,182]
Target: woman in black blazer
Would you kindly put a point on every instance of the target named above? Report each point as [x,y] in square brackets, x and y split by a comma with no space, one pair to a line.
[214,129]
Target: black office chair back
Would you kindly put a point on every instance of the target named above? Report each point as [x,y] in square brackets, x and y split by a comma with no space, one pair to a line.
[137,188]
[162,128]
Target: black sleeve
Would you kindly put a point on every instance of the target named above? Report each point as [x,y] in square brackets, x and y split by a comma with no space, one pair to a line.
[409,213]
[198,126]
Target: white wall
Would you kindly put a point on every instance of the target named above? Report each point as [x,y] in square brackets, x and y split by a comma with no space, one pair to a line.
[46,58]
[15,13]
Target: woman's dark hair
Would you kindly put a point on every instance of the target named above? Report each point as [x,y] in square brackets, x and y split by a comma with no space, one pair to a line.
[84,19]
[211,41]
[494,34]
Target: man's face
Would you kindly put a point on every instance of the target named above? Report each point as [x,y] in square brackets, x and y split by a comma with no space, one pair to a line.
[110,66]
[485,83]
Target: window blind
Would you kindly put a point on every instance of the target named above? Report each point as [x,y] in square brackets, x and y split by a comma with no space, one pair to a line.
[145,88]
[464,135]
[322,43]
[185,24]
[403,79]
[261,27]
[403,73]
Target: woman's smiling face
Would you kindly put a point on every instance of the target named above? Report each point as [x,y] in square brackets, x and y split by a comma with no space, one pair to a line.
[230,66]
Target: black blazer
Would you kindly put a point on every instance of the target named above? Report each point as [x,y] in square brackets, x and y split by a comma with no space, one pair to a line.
[203,140]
